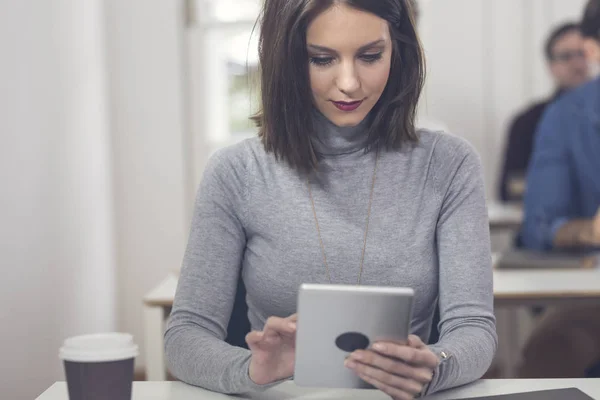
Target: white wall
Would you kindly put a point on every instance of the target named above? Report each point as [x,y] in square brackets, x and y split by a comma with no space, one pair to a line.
[147,109]
[485,62]
[56,248]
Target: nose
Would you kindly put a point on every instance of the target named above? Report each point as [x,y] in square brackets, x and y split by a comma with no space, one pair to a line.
[348,81]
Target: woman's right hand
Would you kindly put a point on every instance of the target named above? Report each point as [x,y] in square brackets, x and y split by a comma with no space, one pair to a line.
[596,228]
[273,350]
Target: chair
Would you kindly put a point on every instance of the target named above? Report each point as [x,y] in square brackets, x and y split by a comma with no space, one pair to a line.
[434,336]
[239,325]
[594,371]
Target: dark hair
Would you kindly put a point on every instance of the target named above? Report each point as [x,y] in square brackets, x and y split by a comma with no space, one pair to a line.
[590,24]
[556,35]
[285,119]
[414,5]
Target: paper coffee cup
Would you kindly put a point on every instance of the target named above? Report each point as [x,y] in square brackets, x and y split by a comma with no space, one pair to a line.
[99,366]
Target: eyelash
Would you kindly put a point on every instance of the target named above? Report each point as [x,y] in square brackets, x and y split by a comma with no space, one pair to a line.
[371,58]
[326,61]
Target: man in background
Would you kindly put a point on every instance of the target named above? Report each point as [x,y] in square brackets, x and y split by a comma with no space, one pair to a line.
[562,213]
[567,65]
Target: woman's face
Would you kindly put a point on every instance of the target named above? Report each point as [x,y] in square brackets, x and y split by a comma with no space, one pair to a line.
[350,54]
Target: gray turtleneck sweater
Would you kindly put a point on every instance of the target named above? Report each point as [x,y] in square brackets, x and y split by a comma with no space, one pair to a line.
[428,231]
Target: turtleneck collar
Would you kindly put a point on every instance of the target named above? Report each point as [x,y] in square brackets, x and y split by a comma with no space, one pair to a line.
[333,140]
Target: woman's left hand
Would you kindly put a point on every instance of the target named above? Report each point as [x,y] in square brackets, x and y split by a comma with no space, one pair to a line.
[401,371]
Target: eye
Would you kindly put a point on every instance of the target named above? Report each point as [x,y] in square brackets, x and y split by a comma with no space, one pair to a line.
[371,58]
[321,61]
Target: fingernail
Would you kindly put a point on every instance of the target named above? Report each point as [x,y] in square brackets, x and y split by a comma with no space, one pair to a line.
[349,363]
[379,347]
[292,325]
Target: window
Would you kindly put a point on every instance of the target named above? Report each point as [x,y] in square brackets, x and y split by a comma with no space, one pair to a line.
[223,92]
[225,47]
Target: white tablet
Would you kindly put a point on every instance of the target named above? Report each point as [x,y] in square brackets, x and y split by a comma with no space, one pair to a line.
[335,320]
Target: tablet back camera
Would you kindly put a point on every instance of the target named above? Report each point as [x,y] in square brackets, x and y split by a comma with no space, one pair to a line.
[352,341]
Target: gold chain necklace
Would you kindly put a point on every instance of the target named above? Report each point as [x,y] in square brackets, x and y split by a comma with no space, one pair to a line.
[362,261]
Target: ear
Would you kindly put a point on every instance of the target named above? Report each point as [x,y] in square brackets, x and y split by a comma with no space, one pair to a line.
[591,47]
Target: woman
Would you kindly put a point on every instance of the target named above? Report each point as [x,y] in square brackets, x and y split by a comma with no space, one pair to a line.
[338,188]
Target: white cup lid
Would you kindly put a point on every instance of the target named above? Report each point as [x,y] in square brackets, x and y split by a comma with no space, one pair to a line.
[101,347]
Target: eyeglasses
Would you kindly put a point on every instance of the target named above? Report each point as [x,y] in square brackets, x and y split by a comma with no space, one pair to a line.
[566,56]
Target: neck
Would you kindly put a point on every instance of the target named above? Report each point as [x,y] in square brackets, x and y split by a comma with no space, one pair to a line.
[331,140]
[558,92]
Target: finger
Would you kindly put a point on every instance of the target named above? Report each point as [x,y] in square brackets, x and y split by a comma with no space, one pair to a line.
[254,337]
[262,342]
[404,384]
[293,318]
[279,326]
[415,341]
[395,393]
[422,357]
[392,366]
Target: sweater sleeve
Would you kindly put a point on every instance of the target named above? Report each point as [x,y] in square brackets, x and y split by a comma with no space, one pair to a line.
[467,323]
[196,352]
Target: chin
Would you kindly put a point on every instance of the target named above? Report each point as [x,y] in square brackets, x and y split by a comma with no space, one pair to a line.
[348,120]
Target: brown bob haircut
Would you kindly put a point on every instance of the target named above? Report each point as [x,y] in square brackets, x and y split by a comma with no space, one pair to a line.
[590,24]
[286,114]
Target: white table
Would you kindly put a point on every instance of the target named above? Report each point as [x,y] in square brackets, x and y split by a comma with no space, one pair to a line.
[288,391]
[546,287]
[157,306]
[504,216]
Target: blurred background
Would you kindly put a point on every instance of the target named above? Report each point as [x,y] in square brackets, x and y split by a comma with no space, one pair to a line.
[110,108]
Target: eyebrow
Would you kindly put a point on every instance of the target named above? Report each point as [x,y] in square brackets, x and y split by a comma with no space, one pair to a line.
[362,48]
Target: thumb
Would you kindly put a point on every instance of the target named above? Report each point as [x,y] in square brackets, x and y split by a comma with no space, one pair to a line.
[254,337]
